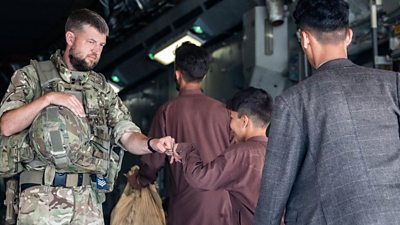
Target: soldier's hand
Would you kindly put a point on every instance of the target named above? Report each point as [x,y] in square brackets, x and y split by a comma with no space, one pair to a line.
[163,145]
[66,100]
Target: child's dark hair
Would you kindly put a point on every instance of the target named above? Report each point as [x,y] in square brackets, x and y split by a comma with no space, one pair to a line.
[253,102]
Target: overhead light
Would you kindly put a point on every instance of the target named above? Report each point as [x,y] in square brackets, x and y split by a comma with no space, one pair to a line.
[197,29]
[151,56]
[115,78]
[166,54]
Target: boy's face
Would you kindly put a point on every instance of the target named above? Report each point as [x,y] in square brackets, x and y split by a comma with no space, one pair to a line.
[238,126]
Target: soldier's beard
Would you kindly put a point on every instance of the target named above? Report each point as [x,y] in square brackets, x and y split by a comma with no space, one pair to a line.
[80,64]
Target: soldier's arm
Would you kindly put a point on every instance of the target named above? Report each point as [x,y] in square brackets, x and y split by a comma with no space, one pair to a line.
[16,120]
[136,143]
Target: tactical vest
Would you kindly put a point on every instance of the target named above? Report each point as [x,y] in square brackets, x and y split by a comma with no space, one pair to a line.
[97,156]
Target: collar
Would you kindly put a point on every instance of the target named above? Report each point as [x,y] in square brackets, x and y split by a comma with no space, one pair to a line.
[190,92]
[258,138]
[334,64]
[66,74]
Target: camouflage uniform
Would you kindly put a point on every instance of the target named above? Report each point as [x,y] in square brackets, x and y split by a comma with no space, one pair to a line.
[44,204]
[56,205]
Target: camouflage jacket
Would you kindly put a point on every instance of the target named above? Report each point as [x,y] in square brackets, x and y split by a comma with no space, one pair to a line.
[25,87]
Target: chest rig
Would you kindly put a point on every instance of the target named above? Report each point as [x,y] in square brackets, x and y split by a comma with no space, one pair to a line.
[96,156]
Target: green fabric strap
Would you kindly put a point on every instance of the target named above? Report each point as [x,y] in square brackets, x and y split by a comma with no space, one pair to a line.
[46,71]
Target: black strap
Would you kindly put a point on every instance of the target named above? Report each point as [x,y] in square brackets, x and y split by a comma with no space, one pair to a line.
[149,146]
[60,180]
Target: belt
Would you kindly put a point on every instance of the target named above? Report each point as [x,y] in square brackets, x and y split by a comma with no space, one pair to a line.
[34,178]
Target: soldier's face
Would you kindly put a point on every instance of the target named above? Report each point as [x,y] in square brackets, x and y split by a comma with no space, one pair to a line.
[86,48]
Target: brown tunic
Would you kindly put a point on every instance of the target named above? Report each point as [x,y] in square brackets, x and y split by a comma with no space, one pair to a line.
[195,118]
[238,171]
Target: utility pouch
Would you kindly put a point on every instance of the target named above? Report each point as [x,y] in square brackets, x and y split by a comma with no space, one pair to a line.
[11,201]
[105,183]
[114,167]
[14,150]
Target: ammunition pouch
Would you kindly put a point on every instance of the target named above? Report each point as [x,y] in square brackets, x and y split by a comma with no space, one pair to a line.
[11,201]
[14,150]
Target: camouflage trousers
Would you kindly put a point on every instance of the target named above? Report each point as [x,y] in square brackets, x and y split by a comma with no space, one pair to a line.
[46,205]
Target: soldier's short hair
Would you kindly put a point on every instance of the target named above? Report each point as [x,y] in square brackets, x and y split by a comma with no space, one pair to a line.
[80,17]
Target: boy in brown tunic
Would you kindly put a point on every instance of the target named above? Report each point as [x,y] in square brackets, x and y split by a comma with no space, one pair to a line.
[239,169]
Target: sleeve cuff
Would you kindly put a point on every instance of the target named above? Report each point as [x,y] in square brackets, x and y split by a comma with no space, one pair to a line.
[124,127]
[7,106]
[184,149]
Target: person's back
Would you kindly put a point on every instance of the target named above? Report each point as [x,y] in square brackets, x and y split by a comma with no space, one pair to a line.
[191,117]
[333,152]
[352,130]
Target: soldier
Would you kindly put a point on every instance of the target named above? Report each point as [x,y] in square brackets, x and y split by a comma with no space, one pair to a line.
[73,117]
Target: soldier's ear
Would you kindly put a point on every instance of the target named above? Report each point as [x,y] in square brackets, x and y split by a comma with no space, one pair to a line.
[69,37]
